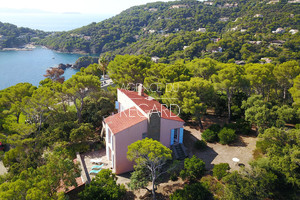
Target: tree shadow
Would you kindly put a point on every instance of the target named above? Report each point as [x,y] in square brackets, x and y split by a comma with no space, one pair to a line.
[159,196]
[239,142]
[207,154]
[129,195]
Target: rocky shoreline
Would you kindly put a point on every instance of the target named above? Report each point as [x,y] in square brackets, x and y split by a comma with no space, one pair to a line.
[84,61]
[27,47]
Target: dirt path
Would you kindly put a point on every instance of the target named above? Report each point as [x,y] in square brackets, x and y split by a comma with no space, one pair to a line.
[3,170]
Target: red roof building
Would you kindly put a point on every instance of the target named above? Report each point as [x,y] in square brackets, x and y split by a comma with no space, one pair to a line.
[139,116]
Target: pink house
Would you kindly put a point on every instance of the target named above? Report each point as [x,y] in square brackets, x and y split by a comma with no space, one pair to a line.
[139,116]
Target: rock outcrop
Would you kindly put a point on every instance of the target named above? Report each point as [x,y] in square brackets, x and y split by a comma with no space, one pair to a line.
[84,61]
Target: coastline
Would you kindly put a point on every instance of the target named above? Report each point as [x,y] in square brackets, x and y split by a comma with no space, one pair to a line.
[30,66]
[27,47]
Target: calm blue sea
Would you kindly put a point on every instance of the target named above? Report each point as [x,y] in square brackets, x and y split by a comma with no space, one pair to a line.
[30,66]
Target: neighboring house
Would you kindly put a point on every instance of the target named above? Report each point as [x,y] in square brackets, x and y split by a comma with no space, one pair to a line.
[258,16]
[266,60]
[293,31]
[254,42]
[224,19]
[279,31]
[233,29]
[153,9]
[155,59]
[178,6]
[277,42]
[215,39]
[240,62]
[295,1]
[228,5]
[210,3]
[139,116]
[273,2]
[202,30]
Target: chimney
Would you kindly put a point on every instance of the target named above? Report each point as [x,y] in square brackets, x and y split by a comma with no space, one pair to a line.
[140,90]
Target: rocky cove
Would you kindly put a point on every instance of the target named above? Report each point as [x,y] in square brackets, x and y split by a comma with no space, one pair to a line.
[84,61]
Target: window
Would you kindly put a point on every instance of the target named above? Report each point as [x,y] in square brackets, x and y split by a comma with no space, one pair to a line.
[144,135]
[176,134]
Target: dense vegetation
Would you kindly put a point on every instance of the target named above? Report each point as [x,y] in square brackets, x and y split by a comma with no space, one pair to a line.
[44,126]
[157,29]
[13,36]
[264,96]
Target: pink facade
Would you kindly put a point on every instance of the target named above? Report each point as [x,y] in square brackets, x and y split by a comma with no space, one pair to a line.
[165,127]
[122,141]
[132,124]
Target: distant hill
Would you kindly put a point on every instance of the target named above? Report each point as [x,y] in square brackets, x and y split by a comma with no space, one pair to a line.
[224,30]
[12,36]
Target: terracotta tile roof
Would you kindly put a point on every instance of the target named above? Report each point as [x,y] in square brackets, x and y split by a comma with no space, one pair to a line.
[147,103]
[79,182]
[124,119]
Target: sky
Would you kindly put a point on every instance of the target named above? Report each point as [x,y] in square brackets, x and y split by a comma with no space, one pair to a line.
[111,7]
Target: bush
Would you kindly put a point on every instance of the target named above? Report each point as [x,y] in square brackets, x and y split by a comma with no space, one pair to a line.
[215,128]
[227,136]
[243,127]
[214,186]
[195,191]
[174,177]
[220,170]
[200,144]
[81,148]
[297,126]
[193,169]
[103,186]
[209,136]
[231,126]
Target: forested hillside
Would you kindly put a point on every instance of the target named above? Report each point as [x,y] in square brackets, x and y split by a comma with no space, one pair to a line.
[223,30]
[12,36]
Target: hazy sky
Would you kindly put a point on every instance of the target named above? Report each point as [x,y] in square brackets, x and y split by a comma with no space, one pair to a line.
[82,6]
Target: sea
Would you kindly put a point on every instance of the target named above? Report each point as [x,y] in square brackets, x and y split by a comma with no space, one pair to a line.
[30,66]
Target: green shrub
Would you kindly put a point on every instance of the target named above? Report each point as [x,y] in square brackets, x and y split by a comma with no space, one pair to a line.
[231,126]
[194,191]
[81,148]
[209,136]
[220,170]
[213,186]
[193,169]
[103,186]
[243,127]
[200,144]
[174,177]
[215,128]
[227,136]
[297,126]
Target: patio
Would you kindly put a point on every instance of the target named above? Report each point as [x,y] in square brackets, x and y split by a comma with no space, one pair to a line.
[100,154]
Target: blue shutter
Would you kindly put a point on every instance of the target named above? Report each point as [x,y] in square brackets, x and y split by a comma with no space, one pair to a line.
[181,135]
[172,136]
[117,105]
